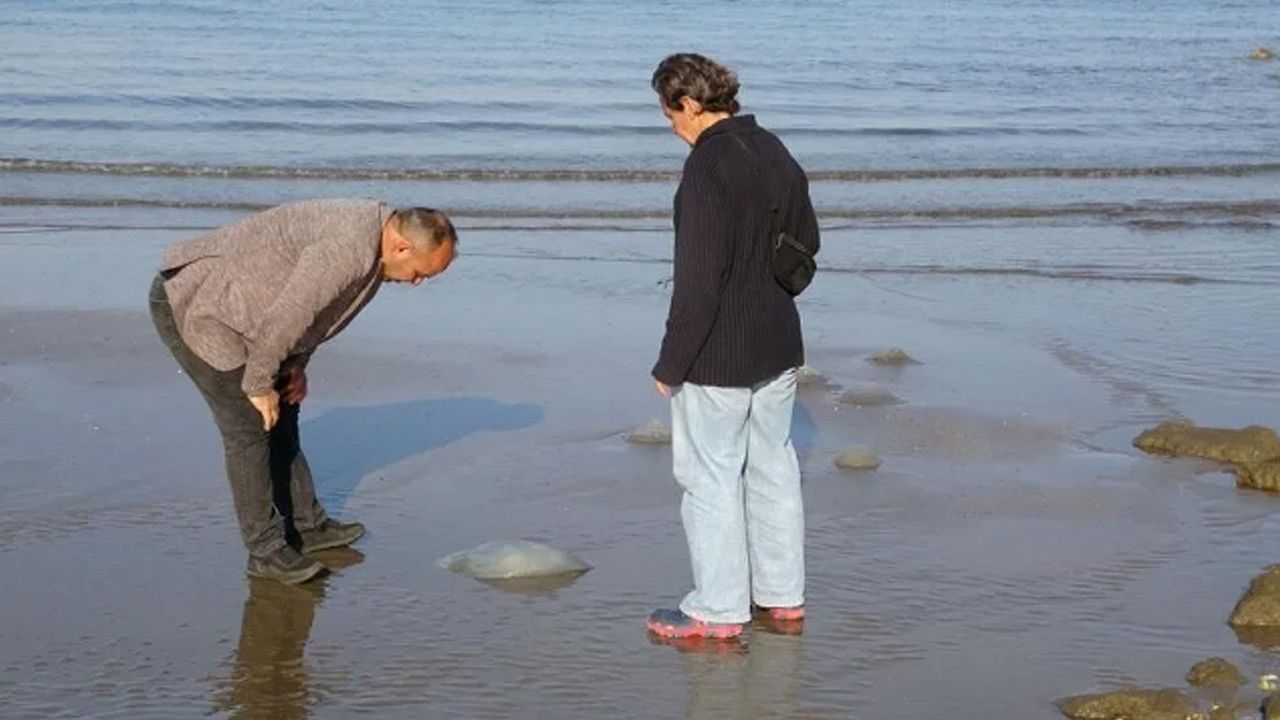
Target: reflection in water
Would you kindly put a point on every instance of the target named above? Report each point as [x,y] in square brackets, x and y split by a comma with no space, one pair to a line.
[732,680]
[1263,638]
[269,679]
[540,586]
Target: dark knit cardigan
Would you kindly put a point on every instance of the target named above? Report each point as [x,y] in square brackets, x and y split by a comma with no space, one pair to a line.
[730,323]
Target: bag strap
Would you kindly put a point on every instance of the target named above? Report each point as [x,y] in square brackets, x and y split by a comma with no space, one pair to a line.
[775,223]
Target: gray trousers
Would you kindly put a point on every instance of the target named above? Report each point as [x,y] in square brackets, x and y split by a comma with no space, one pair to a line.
[270,482]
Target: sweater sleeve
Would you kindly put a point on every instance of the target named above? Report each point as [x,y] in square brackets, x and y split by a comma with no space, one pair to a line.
[703,252]
[806,222]
[316,281]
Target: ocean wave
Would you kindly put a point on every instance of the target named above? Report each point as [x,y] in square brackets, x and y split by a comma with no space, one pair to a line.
[1175,224]
[1095,274]
[363,103]
[1126,211]
[421,127]
[1044,273]
[216,102]
[35,165]
[1140,214]
[365,127]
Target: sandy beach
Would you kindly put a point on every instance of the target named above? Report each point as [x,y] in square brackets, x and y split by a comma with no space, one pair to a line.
[1067,213]
[1012,548]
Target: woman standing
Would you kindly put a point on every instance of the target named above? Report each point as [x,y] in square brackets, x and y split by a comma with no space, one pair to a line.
[729,357]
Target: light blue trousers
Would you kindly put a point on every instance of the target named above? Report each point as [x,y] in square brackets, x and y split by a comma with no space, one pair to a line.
[742,509]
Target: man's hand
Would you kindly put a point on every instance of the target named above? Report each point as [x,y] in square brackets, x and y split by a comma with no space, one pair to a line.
[268,406]
[663,389]
[295,382]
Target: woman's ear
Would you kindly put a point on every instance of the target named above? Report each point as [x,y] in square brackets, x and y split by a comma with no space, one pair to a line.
[690,107]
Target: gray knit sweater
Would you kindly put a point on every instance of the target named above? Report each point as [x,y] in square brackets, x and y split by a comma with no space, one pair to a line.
[275,284]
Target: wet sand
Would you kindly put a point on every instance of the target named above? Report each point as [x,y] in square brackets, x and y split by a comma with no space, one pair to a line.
[1012,550]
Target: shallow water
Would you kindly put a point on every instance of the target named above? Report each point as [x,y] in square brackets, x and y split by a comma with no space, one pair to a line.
[1011,550]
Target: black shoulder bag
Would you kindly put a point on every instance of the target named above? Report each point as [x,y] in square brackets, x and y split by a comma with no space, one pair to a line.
[793,263]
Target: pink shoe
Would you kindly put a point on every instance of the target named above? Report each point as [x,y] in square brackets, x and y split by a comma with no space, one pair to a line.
[675,624]
[781,614]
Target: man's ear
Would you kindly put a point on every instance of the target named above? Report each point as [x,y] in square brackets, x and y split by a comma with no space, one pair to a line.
[400,244]
[689,106]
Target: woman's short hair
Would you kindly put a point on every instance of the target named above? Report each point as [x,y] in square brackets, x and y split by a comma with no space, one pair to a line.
[691,75]
[426,227]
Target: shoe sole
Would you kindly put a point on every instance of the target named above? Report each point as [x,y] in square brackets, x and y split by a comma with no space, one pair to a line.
[701,645]
[308,549]
[292,578]
[701,630]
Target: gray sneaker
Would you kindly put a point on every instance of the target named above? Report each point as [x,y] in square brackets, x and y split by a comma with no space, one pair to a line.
[285,565]
[330,534]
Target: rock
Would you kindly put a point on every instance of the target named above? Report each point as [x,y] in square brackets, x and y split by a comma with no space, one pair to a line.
[512,560]
[1250,446]
[1271,707]
[807,377]
[1259,476]
[1253,452]
[869,396]
[858,458]
[1263,54]
[654,432]
[1130,705]
[1215,672]
[1221,712]
[893,356]
[1259,636]
[1260,605]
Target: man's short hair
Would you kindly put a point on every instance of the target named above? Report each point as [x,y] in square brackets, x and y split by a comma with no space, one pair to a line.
[427,228]
[691,75]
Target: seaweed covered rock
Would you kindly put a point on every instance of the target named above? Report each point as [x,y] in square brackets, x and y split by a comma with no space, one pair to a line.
[1130,705]
[1253,452]
[1271,707]
[1260,605]
[1252,445]
[1215,672]
[1224,712]
[1259,476]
